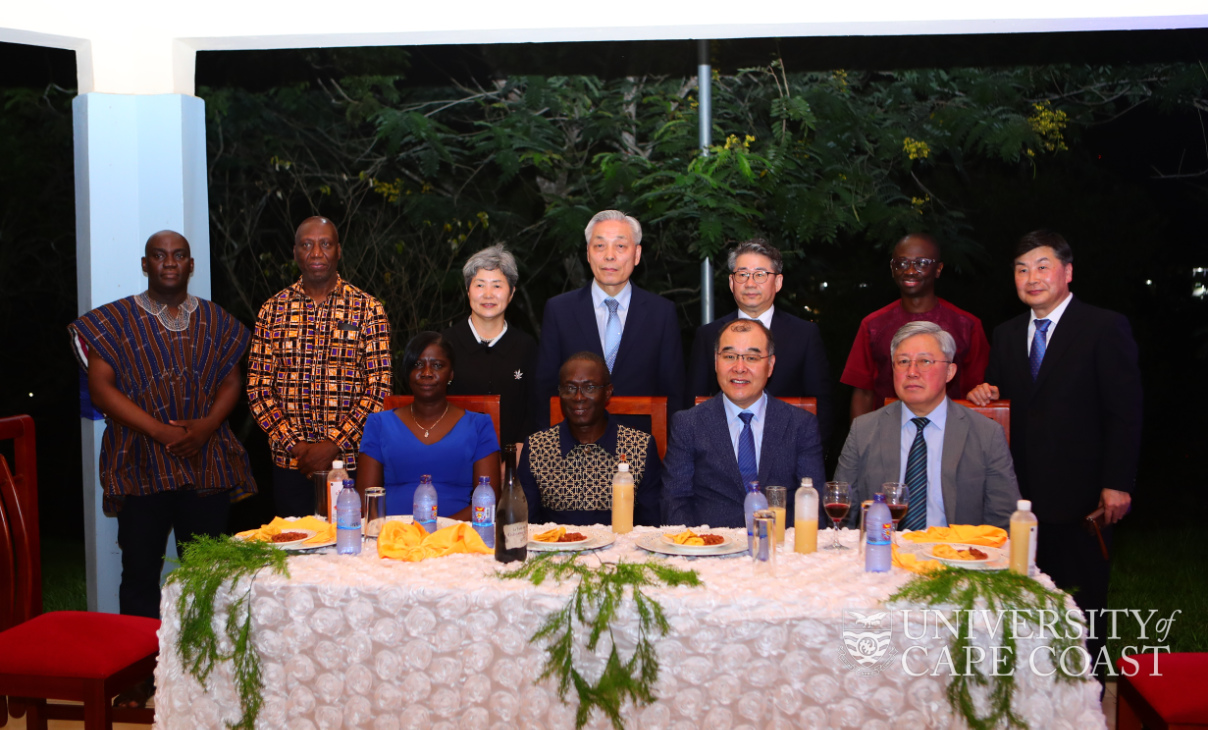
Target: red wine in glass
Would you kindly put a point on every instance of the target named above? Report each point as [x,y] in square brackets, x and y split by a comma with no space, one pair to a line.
[897,512]
[837,511]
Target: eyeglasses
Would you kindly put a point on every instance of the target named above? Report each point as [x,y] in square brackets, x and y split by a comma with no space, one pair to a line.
[730,358]
[902,264]
[923,364]
[570,390]
[759,276]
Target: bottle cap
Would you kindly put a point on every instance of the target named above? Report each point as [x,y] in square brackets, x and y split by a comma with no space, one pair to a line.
[752,486]
[623,467]
[1024,505]
[807,481]
[337,464]
[878,497]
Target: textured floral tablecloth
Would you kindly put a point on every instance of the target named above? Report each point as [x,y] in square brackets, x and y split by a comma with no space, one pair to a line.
[360,642]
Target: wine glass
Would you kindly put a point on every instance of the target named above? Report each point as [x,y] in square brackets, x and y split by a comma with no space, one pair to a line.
[897,498]
[838,502]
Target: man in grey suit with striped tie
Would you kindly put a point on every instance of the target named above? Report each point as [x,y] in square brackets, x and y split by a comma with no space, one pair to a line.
[955,461]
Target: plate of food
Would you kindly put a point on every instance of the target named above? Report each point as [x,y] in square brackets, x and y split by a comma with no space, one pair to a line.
[964,556]
[569,538]
[694,542]
[286,538]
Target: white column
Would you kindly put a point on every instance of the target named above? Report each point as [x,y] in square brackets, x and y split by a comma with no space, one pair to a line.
[140,167]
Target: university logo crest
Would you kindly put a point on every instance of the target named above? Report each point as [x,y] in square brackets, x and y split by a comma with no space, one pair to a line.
[866,639]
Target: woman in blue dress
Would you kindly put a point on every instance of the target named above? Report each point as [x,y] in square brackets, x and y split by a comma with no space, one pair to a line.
[430,436]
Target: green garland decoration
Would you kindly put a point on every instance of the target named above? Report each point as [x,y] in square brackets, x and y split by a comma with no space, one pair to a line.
[206,564]
[601,591]
[1000,590]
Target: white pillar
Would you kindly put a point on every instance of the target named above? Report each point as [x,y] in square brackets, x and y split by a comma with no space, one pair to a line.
[140,167]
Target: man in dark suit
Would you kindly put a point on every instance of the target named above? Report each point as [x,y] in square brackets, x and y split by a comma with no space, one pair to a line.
[801,371]
[738,436]
[643,359]
[955,462]
[1070,371]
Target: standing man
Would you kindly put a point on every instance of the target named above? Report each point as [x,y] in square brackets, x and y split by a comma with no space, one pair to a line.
[567,470]
[738,436]
[915,266]
[163,366]
[801,368]
[320,364]
[635,331]
[955,462]
[1070,371]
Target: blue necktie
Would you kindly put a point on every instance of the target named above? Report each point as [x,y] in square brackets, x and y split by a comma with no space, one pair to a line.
[916,480]
[1036,356]
[612,333]
[746,450]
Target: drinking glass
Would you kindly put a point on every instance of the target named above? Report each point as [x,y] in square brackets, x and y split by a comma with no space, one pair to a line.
[778,502]
[838,502]
[763,541]
[897,498]
[322,495]
[373,509]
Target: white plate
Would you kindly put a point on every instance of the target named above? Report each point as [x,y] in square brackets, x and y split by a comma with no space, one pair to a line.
[596,539]
[725,542]
[654,543]
[993,555]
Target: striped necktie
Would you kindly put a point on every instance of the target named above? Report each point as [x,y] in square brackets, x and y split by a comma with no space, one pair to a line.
[1036,356]
[747,465]
[916,479]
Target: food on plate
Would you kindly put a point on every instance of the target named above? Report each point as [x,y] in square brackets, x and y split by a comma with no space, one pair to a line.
[559,534]
[688,537]
[290,536]
[947,552]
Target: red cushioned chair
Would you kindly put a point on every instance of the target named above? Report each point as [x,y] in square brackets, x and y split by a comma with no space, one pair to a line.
[1175,700]
[63,655]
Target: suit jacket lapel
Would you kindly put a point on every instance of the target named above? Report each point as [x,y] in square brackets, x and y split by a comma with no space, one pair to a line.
[630,334]
[1020,371]
[956,430]
[887,443]
[585,316]
[774,439]
[1061,340]
[719,438]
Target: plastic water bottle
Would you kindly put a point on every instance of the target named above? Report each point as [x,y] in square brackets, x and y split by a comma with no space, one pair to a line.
[335,482]
[348,520]
[878,555]
[482,502]
[423,508]
[755,500]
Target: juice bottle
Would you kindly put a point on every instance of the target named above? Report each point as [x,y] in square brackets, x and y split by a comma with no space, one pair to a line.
[805,524]
[622,499]
[1023,539]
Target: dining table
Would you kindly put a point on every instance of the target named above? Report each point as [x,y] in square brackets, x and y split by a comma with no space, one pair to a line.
[358,641]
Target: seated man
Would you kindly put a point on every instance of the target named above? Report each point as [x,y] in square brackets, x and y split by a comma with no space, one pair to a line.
[738,436]
[955,461]
[567,470]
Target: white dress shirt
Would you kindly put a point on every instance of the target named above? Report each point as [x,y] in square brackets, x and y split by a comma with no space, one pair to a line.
[734,423]
[933,434]
[598,296]
[765,316]
[1053,317]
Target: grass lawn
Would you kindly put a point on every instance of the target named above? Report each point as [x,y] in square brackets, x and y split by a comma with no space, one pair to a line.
[64,582]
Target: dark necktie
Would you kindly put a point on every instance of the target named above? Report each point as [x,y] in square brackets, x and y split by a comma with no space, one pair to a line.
[1036,356]
[746,450]
[916,479]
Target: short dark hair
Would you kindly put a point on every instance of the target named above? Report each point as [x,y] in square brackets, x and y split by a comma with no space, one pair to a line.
[1045,237]
[757,246]
[587,356]
[416,346]
[743,325]
[922,237]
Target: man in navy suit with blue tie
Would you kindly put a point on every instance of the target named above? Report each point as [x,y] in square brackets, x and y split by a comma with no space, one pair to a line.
[802,370]
[737,436]
[635,331]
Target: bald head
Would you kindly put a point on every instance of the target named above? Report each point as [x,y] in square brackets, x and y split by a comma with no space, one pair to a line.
[317,224]
[164,237]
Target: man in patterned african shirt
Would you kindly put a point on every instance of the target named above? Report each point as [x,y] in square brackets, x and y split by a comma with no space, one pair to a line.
[163,366]
[567,470]
[319,366]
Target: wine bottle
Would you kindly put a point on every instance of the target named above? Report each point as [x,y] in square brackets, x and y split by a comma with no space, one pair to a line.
[511,514]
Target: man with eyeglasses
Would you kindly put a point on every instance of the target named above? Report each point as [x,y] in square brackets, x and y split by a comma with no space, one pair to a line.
[738,436]
[801,368]
[643,359]
[955,462]
[915,266]
[566,471]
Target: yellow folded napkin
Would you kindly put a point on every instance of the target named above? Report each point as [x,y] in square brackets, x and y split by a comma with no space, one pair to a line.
[408,541]
[987,535]
[550,535]
[324,532]
[913,563]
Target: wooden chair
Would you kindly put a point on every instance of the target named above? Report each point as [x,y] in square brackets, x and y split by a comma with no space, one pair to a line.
[806,404]
[488,404]
[654,406]
[63,655]
[998,411]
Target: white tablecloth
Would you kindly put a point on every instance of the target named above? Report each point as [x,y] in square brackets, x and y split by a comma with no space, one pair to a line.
[368,643]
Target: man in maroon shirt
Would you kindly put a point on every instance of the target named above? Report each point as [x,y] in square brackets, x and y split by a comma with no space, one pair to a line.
[915,266]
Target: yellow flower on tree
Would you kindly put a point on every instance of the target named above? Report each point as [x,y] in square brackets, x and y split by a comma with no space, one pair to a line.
[915,149]
[1049,124]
